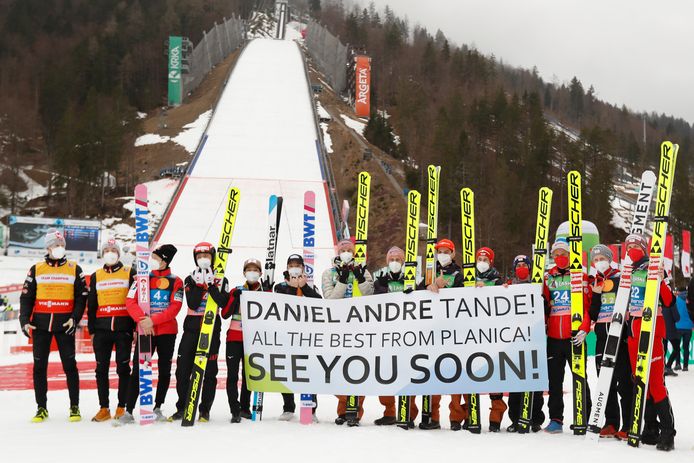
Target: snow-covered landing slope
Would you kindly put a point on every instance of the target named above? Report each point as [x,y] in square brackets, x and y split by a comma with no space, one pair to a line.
[262,139]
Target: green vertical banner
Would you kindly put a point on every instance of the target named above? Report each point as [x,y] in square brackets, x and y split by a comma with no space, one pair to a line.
[175,84]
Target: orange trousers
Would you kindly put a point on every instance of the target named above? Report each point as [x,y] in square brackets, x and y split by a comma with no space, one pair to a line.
[342,406]
[389,402]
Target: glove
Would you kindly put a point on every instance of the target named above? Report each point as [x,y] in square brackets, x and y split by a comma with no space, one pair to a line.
[70,327]
[343,274]
[359,271]
[26,329]
[236,293]
[198,277]
[208,277]
[579,338]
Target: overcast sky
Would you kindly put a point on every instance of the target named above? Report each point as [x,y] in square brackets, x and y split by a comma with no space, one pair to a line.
[634,52]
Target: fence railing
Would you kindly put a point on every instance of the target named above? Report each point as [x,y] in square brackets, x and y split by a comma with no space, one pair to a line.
[216,44]
[328,54]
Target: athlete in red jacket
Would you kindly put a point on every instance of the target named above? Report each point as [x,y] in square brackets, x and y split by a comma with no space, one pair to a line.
[165,300]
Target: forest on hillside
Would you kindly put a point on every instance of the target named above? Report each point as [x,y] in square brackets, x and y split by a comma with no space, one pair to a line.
[73,73]
[487,124]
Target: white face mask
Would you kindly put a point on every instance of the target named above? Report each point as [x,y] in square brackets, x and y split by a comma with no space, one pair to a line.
[110,258]
[482,266]
[346,257]
[295,272]
[444,259]
[154,264]
[204,263]
[58,252]
[394,266]
[602,266]
[252,277]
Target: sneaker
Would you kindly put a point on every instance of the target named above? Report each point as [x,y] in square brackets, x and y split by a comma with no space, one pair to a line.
[678,367]
[245,414]
[536,427]
[235,418]
[286,416]
[512,428]
[119,412]
[622,435]
[204,417]
[385,421]
[430,425]
[75,415]
[685,367]
[178,416]
[650,434]
[159,415]
[669,372]
[41,415]
[455,426]
[554,427]
[104,414]
[127,418]
[314,419]
[494,427]
[608,431]
[340,420]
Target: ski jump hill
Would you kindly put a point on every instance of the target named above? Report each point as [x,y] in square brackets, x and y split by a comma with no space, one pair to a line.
[262,138]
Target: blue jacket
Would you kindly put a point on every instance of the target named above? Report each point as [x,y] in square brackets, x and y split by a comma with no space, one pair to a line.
[685,323]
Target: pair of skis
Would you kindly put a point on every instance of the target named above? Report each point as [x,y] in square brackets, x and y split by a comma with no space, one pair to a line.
[274,217]
[360,248]
[467,209]
[307,401]
[544,209]
[616,328]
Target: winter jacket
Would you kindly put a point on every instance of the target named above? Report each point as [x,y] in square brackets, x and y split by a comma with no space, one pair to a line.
[108,291]
[557,294]
[490,278]
[387,282]
[602,305]
[306,290]
[334,289]
[196,298]
[452,274]
[685,322]
[54,291]
[637,294]
[232,309]
[690,299]
[165,301]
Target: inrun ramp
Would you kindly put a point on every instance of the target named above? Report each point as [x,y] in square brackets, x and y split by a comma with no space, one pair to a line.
[263,139]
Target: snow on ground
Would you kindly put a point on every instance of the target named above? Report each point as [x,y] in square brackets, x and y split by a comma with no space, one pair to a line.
[559,128]
[327,139]
[356,125]
[272,440]
[621,213]
[293,31]
[159,194]
[141,115]
[188,138]
[323,113]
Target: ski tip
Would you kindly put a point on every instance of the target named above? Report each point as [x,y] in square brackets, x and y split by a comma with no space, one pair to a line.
[140,188]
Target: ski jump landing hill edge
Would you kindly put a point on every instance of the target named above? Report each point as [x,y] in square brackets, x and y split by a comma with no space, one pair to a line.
[263,139]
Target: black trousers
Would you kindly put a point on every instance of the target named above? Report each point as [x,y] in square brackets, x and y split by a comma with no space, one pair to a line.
[686,336]
[558,356]
[41,349]
[675,354]
[184,368]
[104,342]
[515,403]
[622,383]
[234,359]
[163,345]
